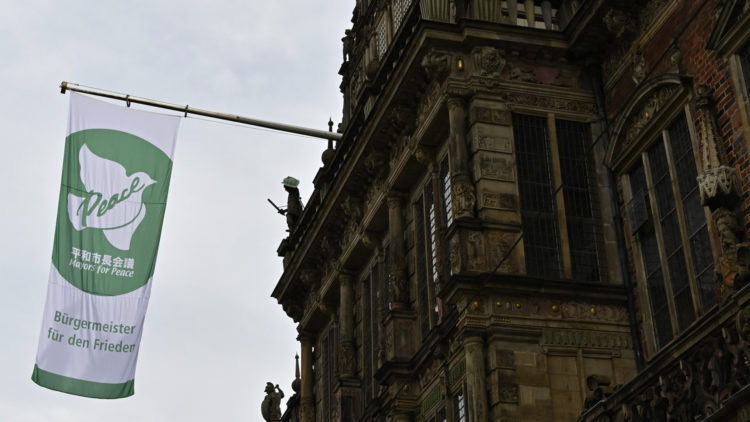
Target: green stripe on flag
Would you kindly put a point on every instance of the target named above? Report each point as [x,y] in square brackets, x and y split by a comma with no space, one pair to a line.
[98,390]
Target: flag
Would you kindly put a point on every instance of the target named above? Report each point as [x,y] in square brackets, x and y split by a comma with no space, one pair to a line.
[113,194]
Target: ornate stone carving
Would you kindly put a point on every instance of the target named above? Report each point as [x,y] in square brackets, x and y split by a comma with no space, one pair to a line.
[599,389]
[436,64]
[464,199]
[425,157]
[499,201]
[475,251]
[494,166]
[427,102]
[489,61]
[352,208]
[454,250]
[270,408]
[706,378]
[522,74]
[376,164]
[720,190]
[586,311]
[348,44]
[640,67]
[400,289]
[508,393]
[348,364]
[719,184]
[640,119]
[506,359]
[490,115]
[650,12]
[370,240]
[552,103]
[584,338]
[499,246]
[618,23]
[310,277]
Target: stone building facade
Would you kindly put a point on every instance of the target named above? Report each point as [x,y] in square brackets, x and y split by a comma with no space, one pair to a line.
[538,211]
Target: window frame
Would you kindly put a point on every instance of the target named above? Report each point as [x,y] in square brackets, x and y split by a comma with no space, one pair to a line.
[560,216]
[432,247]
[653,342]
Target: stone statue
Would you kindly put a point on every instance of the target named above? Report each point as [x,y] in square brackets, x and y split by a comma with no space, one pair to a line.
[293,203]
[270,408]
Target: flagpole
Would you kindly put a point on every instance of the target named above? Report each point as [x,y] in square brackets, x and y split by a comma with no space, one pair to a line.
[129,99]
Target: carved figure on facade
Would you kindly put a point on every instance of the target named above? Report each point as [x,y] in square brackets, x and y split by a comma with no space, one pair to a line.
[639,67]
[293,209]
[436,64]
[270,408]
[520,73]
[348,363]
[427,101]
[489,61]
[399,288]
[705,379]
[719,186]
[618,23]
[464,199]
[375,163]
[352,208]
[475,251]
[348,44]
[600,387]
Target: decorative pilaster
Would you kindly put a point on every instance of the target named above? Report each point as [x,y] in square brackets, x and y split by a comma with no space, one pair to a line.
[464,198]
[307,401]
[476,384]
[719,183]
[397,277]
[346,323]
[719,186]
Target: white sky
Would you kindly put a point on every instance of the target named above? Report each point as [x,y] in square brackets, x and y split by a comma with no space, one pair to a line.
[213,335]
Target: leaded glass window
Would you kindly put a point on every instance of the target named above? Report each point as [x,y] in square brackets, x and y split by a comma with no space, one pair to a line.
[669,224]
[560,219]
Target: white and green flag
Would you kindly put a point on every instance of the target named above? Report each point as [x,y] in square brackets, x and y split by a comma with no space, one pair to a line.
[113,194]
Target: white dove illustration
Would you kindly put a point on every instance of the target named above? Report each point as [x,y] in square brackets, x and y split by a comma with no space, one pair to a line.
[113,201]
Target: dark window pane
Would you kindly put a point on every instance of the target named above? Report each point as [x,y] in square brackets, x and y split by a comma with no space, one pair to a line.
[584,233]
[683,298]
[652,262]
[694,215]
[670,229]
[704,267]
[659,309]
[707,284]
[540,228]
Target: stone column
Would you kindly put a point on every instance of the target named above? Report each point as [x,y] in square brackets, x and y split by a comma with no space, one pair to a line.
[397,277]
[307,401]
[463,189]
[346,330]
[476,384]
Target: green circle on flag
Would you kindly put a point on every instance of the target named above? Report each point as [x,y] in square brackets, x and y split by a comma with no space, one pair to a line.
[112,200]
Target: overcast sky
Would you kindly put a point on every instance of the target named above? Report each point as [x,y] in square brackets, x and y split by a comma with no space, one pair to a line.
[213,335]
